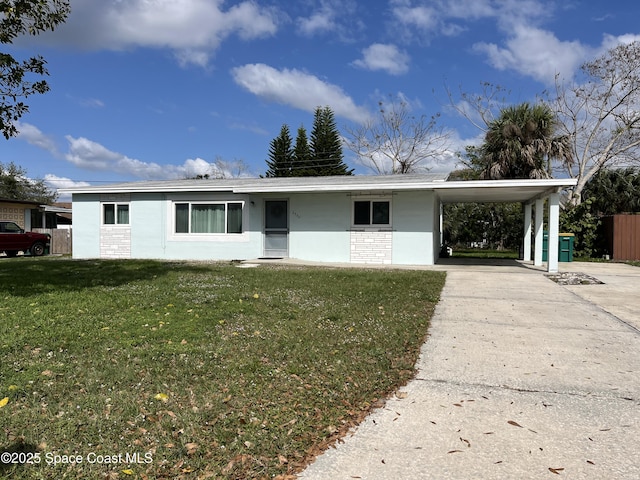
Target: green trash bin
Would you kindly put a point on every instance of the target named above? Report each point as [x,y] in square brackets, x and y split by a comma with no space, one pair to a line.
[565,247]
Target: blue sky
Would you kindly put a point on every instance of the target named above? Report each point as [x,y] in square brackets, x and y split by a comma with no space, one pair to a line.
[161,89]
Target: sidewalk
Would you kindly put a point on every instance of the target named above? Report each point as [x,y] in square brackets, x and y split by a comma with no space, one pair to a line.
[520,378]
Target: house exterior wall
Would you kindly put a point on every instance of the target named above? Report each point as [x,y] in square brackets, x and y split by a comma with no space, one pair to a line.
[86,226]
[320,229]
[14,212]
[414,228]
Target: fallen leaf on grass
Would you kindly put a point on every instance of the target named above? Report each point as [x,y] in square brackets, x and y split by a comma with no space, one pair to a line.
[4,401]
[191,448]
[161,396]
[556,470]
[238,459]
[282,459]
[127,471]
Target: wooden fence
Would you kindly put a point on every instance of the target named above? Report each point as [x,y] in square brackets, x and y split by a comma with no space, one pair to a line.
[622,236]
[60,240]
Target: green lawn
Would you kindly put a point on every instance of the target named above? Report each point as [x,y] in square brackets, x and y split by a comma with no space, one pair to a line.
[143,369]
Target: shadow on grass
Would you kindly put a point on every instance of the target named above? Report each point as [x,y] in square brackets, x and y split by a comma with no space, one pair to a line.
[20,455]
[27,276]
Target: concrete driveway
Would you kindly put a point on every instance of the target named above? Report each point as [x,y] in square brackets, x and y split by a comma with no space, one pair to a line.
[520,378]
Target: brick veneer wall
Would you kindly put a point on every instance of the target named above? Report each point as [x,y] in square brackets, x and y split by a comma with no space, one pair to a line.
[115,242]
[371,246]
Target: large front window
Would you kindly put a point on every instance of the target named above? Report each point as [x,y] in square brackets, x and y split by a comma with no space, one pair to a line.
[115,213]
[371,212]
[208,217]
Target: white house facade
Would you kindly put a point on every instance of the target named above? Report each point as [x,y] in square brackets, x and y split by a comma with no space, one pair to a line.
[392,220]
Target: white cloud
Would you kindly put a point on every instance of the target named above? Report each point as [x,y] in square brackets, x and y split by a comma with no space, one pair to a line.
[193,29]
[31,134]
[541,55]
[536,53]
[611,41]
[297,89]
[90,155]
[332,16]
[388,58]
[422,17]
[320,21]
[56,182]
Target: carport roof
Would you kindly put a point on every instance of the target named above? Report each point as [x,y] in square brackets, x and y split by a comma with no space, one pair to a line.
[501,191]
[448,192]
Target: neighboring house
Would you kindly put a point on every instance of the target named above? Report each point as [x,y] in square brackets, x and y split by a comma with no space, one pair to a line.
[393,219]
[18,211]
[31,215]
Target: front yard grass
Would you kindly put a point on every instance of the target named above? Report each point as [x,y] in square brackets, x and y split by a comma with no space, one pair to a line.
[147,369]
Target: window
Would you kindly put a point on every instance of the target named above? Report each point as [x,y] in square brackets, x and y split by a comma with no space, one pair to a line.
[371,212]
[208,217]
[115,213]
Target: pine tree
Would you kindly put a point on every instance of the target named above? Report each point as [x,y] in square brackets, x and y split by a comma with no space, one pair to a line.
[326,146]
[280,160]
[301,154]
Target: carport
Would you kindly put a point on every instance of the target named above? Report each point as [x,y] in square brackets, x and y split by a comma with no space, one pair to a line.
[531,193]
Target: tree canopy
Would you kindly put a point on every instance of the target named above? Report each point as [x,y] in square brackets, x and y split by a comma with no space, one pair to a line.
[326,146]
[280,161]
[600,112]
[15,185]
[319,156]
[522,143]
[614,190]
[396,141]
[24,17]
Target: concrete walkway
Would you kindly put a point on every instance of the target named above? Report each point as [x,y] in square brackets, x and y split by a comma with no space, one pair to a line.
[520,378]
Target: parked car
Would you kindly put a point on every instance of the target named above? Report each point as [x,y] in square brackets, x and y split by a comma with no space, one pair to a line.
[14,239]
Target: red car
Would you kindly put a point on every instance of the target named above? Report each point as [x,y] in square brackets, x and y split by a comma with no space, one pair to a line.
[13,239]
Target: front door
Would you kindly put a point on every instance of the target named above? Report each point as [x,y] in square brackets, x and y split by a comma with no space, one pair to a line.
[276,228]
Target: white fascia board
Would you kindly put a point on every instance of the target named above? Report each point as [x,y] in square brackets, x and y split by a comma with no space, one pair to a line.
[547,182]
[355,187]
[144,189]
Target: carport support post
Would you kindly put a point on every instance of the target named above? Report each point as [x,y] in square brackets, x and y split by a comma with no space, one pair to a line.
[527,233]
[537,256]
[554,222]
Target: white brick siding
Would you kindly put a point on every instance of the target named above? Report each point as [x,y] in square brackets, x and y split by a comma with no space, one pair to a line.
[115,241]
[371,246]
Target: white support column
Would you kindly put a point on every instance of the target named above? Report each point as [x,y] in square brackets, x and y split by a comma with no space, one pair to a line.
[441,224]
[537,257]
[527,233]
[554,225]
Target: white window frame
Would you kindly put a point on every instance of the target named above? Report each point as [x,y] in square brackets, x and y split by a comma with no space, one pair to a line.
[370,225]
[188,234]
[115,213]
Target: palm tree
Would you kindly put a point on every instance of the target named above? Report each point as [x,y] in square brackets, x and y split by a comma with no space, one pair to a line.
[522,143]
